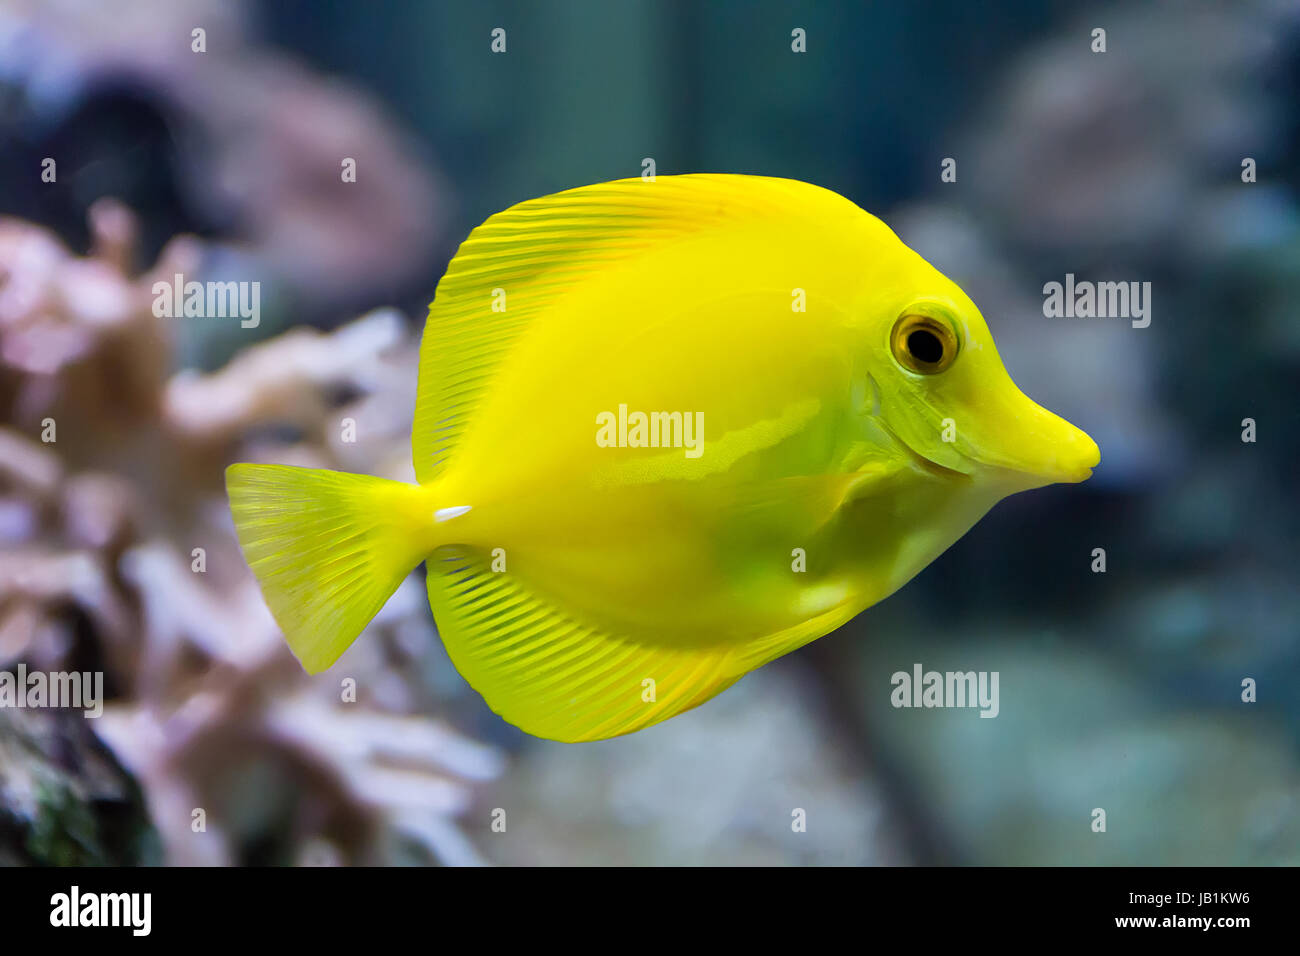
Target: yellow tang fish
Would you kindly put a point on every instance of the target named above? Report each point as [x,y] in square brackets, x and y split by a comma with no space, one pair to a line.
[666,431]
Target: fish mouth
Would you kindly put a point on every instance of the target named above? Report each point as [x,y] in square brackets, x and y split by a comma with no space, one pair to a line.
[1044,449]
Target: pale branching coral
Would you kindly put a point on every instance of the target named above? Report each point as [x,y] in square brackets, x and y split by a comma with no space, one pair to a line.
[119,556]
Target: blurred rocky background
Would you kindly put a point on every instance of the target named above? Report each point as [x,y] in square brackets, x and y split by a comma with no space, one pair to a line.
[1119,690]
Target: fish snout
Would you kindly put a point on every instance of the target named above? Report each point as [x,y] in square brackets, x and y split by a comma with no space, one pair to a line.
[1072,458]
[1040,446]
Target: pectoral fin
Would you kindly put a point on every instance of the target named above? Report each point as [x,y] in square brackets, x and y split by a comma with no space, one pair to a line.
[806,501]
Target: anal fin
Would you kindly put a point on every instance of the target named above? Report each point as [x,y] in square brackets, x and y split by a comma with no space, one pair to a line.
[552,676]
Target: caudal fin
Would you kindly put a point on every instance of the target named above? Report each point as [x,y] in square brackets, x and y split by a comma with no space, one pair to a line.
[327,548]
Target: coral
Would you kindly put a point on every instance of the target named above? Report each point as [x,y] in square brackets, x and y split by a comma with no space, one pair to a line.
[119,556]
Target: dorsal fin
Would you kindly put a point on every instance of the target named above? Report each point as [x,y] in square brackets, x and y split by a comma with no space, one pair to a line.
[535,251]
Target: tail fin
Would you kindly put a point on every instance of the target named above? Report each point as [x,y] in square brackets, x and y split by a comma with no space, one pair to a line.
[327,548]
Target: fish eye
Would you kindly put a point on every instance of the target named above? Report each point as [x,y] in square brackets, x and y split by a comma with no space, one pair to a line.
[923,344]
